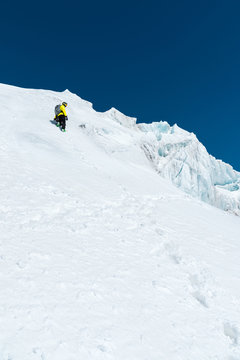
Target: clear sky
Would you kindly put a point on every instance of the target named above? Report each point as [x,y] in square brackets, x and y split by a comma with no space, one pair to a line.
[170,60]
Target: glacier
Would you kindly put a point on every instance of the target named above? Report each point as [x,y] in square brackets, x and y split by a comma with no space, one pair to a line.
[177,155]
[102,254]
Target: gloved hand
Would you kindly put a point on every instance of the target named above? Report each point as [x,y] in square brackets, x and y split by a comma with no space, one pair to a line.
[66,118]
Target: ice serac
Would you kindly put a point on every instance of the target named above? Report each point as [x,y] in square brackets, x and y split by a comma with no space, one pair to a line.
[179,156]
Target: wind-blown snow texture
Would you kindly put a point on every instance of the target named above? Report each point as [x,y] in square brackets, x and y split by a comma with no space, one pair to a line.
[102,258]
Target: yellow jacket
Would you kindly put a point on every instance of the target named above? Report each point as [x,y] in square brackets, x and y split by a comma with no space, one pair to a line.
[62,112]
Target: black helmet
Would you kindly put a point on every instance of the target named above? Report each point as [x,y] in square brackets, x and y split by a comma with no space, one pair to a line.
[64,104]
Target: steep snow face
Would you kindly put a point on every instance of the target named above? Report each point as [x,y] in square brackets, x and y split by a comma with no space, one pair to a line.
[179,156]
[100,257]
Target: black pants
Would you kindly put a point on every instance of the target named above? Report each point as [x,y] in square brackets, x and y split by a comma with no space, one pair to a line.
[62,121]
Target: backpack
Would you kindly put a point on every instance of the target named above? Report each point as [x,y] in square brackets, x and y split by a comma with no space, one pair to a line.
[57,109]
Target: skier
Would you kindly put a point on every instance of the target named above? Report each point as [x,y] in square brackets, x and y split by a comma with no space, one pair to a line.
[61,115]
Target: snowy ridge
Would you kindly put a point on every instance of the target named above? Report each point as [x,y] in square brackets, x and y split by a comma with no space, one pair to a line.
[100,257]
[180,157]
[176,154]
[122,119]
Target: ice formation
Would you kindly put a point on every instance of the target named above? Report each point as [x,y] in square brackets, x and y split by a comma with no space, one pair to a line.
[178,156]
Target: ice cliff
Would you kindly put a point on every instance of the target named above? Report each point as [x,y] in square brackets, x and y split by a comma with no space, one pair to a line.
[177,155]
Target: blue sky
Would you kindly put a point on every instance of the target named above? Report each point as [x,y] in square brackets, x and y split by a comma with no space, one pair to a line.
[170,60]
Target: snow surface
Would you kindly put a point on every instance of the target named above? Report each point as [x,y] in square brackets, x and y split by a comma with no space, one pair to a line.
[100,257]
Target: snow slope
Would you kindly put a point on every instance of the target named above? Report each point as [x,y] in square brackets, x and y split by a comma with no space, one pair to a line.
[100,257]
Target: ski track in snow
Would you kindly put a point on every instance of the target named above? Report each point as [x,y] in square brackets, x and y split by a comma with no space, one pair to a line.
[95,263]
